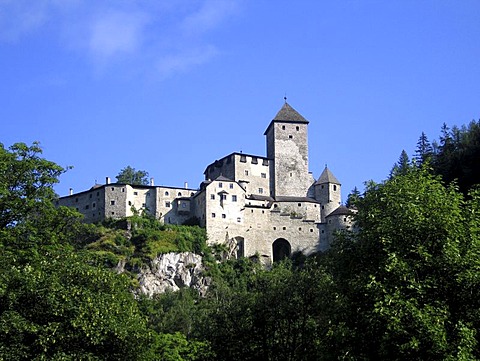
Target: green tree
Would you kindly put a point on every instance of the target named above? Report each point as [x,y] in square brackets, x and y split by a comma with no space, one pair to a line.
[54,303]
[409,278]
[424,151]
[129,175]
[402,166]
[353,197]
[26,182]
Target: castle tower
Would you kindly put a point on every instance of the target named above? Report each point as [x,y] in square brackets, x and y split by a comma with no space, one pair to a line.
[287,147]
[328,193]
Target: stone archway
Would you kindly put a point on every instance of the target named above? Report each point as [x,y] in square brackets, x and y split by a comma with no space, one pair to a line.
[281,249]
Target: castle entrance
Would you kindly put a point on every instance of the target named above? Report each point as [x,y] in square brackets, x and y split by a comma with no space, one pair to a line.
[281,249]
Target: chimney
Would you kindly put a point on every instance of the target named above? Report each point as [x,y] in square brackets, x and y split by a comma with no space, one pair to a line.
[71,191]
[152,183]
[107,180]
[186,185]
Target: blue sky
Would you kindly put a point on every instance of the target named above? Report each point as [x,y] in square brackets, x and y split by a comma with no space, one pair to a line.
[170,86]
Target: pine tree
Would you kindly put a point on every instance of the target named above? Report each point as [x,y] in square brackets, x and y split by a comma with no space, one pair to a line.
[424,151]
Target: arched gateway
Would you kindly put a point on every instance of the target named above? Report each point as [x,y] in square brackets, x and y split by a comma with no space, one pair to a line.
[281,249]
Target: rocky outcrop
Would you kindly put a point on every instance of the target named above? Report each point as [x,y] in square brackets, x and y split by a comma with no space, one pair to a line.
[172,271]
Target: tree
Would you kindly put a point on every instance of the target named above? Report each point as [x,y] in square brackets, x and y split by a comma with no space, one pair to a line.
[409,278]
[424,150]
[26,182]
[129,175]
[402,166]
[353,197]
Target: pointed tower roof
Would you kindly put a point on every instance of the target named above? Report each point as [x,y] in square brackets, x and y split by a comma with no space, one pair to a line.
[327,177]
[287,115]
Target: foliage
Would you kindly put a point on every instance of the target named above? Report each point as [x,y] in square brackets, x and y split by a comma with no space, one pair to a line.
[129,175]
[26,182]
[402,276]
[455,156]
[55,305]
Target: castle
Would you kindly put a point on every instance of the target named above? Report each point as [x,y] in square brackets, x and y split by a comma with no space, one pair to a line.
[268,206]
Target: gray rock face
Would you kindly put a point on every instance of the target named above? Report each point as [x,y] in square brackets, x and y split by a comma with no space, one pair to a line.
[172,271]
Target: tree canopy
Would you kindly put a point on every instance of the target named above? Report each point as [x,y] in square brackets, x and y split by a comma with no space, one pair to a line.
[129,175]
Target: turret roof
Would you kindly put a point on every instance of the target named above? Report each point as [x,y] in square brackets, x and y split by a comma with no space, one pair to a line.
[288,114]
[327,177]
[341,211]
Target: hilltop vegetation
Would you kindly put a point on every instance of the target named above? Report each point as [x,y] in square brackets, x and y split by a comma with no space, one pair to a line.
[406,286]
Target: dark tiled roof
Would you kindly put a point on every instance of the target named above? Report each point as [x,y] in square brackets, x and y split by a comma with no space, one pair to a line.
[222,178]
[327,177]
[287,113]
[294,199]
[341,211]
[256,197]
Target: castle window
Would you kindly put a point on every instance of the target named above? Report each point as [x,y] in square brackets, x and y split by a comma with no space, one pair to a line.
[260,190]
[243,158]
[223,197]
[265,162]
[290,136]
[283,127]
[323,207]
[123,189]
[98,194]
[254,160]
[298,128]
[311,230]
[179,194]
[135,193]
[129,203]
[220,185]
[234,198]
[329,221]
[263,212]
[345,219]
[87,206]
[94,205]
[143,205]
[113,213]
[224,216]
[167,204]
[323,231]
[90,196]
[334,187]
[284,228]
[213,215]
[275,206]
[299,228]
[166,193]
[212,196]
[274,228]
[231,185]
[246,172]
[112,203]
[263,175]
[76,200]
[76,209]
[239,219]
[299,204]
[322,186]
[113,189]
